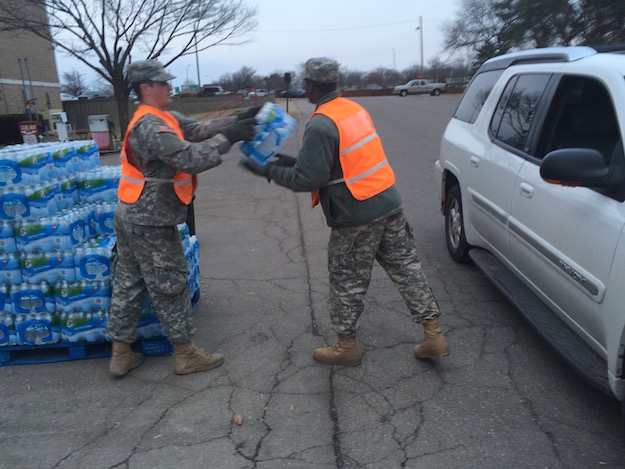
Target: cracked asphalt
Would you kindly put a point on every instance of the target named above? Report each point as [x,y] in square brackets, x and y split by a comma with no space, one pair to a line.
[502,399]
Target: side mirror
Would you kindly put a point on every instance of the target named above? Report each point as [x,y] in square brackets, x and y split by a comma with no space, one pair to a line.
[581,167]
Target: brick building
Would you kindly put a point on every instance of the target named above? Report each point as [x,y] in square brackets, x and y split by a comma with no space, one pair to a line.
[28,76]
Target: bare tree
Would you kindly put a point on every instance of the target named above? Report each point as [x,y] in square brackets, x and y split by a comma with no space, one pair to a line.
[246,77]
[73,83]
[476,31]
[351,79]
[106,35]
[383,77]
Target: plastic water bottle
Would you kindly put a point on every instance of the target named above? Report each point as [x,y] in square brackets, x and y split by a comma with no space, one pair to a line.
[50,266]
[105,217]
[93,262]
[273,127]
[7,237]
[10,171]
[29,164]
[42,234]
[65,159]
[69,192]
[41,199]
[183,229]
[82,296]
[77,226]
[10,269]
[47,169]
[7,330]
[99,184]
[35,328]
[13,203]
[28,298]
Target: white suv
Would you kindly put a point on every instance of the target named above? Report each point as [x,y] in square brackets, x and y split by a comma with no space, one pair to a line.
[532,175]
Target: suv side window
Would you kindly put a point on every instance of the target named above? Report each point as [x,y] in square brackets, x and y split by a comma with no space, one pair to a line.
[581,115]
[516,109]
[475,95]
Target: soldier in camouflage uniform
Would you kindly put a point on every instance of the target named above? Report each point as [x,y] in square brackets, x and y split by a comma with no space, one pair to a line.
[362,230]
[150,258]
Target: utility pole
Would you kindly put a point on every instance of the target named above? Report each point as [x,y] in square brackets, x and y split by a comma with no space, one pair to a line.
[197,63]
[420,29]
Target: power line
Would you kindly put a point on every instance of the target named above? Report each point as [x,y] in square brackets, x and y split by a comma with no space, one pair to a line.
[336,29]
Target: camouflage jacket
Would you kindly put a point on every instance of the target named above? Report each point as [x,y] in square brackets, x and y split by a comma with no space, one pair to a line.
[159,154]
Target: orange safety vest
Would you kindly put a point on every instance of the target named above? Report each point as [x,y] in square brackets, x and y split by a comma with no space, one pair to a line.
[366,171]
[132,180]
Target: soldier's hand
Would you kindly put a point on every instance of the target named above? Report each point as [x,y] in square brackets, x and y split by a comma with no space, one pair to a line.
[248,113]
[241,130]
[284,160]
[255,168]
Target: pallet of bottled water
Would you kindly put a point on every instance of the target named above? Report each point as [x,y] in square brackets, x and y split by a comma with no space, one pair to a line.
[57,240]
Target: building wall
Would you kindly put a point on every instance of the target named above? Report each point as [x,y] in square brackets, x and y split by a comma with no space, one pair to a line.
[39,74]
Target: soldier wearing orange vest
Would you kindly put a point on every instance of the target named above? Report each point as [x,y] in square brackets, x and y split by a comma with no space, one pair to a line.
[342,163]
[161,154]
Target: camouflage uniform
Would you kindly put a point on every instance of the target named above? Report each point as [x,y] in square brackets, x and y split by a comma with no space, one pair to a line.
[351,252]
[150,258]
[362,230]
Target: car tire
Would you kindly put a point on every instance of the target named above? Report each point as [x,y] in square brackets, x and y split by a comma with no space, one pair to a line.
[403,93]
[454,226]
[436,92]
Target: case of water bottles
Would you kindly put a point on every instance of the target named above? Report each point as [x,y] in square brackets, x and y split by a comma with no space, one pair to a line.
[56,246]
[273,128]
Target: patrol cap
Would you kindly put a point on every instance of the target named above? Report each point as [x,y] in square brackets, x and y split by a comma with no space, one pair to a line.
[147,70]
[322,70]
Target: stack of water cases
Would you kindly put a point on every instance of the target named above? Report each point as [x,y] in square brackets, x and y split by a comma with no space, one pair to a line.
[56,246]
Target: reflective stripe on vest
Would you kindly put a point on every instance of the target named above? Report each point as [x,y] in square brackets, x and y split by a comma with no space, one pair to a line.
[132,181]
[366,171]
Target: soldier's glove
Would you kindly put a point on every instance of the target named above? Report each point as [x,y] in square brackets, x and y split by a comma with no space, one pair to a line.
[248,113]
[284,160]
[256,169]
[242,130]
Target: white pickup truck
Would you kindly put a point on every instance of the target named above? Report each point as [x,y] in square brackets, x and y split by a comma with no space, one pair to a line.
[420,87]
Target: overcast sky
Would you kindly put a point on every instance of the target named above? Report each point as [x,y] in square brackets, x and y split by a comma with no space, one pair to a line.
[359,34]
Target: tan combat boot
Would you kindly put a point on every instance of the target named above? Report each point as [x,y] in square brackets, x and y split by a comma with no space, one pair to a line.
[434,344]
[344,352]
[190,358]
[123,359]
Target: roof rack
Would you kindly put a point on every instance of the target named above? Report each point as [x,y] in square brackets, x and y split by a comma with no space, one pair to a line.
[532,56]
[601,48]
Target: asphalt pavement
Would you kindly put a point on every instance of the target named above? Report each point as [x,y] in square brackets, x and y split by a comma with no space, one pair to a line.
[263,306]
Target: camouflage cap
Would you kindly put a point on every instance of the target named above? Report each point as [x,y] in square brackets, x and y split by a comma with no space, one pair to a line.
[322,70]
[147,70]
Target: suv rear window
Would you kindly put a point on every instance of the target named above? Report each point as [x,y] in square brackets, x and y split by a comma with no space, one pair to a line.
[475,95]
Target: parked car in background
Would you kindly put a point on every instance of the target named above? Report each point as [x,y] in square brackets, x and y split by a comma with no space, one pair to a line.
[531,175]
[293,93]
[242,92]
[211,90]
[68,97]
[259,93]
[89,95]
[420,87]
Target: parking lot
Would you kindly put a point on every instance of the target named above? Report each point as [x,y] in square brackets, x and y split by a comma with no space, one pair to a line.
[502,399]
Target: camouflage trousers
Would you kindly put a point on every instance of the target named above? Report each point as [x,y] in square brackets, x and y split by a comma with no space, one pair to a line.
[150,260]
[351,253]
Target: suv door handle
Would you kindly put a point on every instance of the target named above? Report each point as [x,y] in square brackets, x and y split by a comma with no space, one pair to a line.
[475,161]
[527,190]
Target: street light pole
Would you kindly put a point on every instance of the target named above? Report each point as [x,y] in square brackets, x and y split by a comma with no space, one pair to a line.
[420,29]
[197,63]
